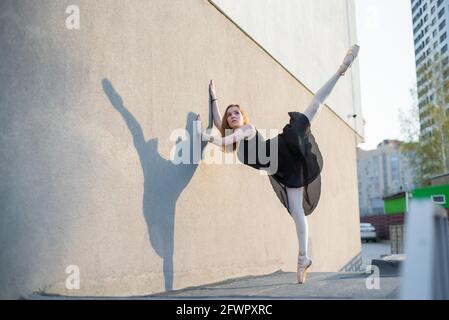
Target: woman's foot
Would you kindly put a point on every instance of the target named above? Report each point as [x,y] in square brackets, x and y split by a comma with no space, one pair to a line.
[349,59]
[304,264]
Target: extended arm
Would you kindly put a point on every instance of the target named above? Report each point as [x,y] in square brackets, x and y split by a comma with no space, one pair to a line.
[247,131]
[216,113]
[215,110]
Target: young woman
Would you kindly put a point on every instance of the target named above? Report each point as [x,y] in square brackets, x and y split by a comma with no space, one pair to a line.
[296,180]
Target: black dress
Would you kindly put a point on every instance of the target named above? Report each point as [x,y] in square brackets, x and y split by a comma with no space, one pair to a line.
[299,160]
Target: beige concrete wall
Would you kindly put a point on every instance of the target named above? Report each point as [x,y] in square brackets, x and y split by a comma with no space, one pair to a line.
[309,38]
[87,180]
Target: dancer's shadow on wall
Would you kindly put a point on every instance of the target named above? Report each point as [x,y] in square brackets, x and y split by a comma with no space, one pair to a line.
[163,181]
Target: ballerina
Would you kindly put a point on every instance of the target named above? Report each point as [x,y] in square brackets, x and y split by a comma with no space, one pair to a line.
[297,178]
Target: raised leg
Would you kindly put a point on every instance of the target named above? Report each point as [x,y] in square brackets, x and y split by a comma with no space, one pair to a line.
[315,106]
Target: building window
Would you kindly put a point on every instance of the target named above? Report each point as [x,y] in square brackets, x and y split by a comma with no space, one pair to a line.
[394,169]
[444,49]
[385,172]
[442,25]
[432,10]
[443,36]
[416,5]
[434,33]
[440,14]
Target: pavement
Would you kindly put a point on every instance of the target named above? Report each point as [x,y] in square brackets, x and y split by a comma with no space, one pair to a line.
[277,286]
[376,250]
[319,285]
[283,285]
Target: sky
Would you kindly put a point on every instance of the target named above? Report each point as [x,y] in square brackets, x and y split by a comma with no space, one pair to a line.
[387,66]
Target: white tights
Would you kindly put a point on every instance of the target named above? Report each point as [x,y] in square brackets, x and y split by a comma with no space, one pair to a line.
[295,195]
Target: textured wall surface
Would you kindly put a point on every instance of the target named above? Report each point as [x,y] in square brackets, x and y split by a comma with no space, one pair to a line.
[309,38]
[87,174]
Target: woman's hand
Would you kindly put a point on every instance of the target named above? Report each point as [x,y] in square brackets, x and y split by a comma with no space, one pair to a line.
[212,89]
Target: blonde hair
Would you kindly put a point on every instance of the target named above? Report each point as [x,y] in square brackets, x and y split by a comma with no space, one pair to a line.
[226,129]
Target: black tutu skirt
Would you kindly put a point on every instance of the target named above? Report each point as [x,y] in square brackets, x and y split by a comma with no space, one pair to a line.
[299,163]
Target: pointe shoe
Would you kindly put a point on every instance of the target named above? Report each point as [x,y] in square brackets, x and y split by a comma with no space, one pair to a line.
[301,272]
[349,59]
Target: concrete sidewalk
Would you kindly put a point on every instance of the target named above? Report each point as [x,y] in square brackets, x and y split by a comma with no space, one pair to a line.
[278,285]
[283,285]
